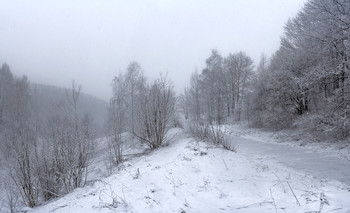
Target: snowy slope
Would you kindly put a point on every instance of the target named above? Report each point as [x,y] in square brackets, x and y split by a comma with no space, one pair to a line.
[190,176]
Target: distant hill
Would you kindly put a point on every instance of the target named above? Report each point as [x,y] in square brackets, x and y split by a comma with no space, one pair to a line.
[47,100]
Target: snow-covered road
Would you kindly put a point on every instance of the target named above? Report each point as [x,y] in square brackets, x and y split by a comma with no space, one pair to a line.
[322,165]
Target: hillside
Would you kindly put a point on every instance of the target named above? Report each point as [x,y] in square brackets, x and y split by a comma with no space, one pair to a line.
[191,176]
[46,100]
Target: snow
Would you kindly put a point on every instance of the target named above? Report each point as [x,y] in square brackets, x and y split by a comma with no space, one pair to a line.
[321,165]
[290,137]
[191,176]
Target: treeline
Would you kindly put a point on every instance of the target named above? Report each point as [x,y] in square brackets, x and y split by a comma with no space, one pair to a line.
[46,98]
[307,80]
[46,153]
[305,83]
[219,93]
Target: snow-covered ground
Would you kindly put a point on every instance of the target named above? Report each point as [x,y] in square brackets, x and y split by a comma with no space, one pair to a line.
[291,137]
[190,176]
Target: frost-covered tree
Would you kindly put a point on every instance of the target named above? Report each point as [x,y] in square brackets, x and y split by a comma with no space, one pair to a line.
[128,89]
[195,93]
[308,77]
[117,120]
[19,138]
[213,87]
[149,108]
[79,144]
[6,94]
[43,161]
[156,109]
[133,81]
[218,93]
[238,72]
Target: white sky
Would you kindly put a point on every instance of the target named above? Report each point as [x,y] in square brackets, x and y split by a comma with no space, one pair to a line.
[90,41]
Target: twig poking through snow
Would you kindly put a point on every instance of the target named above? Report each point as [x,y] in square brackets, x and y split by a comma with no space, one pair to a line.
[333,210]
[344,156]
[225,164]
[323,200]
[273,200]
[174,185]
[279,180]
[294,194]
[58,207]
[255,204]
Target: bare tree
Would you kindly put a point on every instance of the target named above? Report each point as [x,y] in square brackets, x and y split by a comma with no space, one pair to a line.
[48,163]
[219,92]
[308,77]
[69,147]
[133,78]
[117,122]
[155,112]
[20,139]
[238,69]
[78,153]
[195,93]
[6,94]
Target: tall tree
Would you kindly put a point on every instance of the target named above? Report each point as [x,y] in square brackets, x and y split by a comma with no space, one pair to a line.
[133,78]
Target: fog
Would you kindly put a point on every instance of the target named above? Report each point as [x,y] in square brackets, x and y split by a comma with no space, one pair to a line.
[54,42]
[254,112]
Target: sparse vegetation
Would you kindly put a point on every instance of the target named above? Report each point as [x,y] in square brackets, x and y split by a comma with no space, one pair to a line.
[212,134]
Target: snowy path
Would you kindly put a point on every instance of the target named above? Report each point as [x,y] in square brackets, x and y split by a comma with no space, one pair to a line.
[321,165]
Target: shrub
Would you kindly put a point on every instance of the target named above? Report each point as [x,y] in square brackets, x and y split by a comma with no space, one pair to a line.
[212,134]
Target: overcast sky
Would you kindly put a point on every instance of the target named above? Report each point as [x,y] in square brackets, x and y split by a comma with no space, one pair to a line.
[53,42]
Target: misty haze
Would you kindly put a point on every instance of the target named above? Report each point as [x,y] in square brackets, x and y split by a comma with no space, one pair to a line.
[175,106]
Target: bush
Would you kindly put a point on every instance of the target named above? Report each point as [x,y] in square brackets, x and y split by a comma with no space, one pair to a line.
[212,134]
